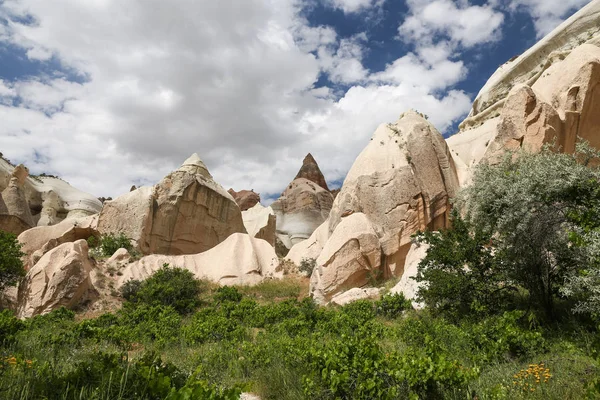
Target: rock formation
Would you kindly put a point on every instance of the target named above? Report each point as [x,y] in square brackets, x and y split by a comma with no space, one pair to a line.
[407,285]
[303,206]
[401,183]
[15,215]
[50,199]
[527,104]
[239,260]
[60,278]
[310,170]
[186,213]
[260,222]
[245,199]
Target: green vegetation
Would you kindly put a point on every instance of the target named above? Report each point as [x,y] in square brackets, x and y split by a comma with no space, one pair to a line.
[110,243]
[512,312]
[11,266]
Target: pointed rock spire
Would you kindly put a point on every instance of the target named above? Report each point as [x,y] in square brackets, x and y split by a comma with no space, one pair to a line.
[195,165]
[310,170]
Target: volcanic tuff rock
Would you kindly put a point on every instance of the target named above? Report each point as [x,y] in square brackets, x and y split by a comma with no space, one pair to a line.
[303,206]
[407,285]
[399,184]
[50,200]
[310,170]
[15,216]
[60,278]
[239,260]
[528,104]
[245,199]
[260,222]
[186,213]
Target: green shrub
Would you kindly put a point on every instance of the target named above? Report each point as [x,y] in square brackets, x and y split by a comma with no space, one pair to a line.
[307,265]
[392,305]
[9,327]
[110,243]
[11,266]
[175,287]
[227,293]
[130,289]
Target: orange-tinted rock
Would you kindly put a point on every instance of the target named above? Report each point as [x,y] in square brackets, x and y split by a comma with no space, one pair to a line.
[310,170]
[245,199]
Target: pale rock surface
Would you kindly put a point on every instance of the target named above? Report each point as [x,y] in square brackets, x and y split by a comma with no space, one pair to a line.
[15,215]
[356,294]
[239,260]
[120,258]
[312,247]
[260,222]
[186,213]
[72,203]
[402,181]
[310,170]
[526,69]
[351,256]
[245,199]
[407,285]
[39,240]
[50,207]
[302,207]
[60,278]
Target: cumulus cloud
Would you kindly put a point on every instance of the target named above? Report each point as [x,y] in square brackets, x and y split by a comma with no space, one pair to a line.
[547,14]
[353,6]
[233,81]
[458,21]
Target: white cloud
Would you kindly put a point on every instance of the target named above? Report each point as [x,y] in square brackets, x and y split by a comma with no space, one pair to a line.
[461,23]
[547,14]
[233,81]
[353,6]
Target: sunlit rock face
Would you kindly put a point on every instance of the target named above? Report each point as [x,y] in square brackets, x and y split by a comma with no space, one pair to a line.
[303,206]
[185,213]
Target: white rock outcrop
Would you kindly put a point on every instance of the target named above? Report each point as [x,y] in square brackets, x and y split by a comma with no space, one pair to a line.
[239,260]
[355,294]
[260,222]
[185,213]
[407,285]
[60,278]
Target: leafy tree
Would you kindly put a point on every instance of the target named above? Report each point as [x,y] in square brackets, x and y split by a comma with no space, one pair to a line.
[175,287]
[533,205]
[110,243]
[462,271]
[11,266]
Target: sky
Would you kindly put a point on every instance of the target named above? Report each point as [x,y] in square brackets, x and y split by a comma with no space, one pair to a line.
[112,93]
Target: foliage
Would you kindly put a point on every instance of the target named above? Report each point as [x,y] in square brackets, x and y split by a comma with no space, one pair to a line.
[11,266]
[110,243]
[464,273]
[228,293]
[392,305]
[307,265]
[174,287]
[530,204]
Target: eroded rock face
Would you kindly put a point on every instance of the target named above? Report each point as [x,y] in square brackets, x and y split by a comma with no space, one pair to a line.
[39,240]
[245,199]
[401,183]
[15,215]
[407,285]
[260,222]
[239,260]
[310,170]
[349,259]
[60,278]
[186,213]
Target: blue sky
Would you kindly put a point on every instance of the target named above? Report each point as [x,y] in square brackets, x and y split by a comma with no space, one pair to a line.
[109,93]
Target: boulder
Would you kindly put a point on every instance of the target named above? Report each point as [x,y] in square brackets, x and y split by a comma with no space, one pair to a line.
[39,240]
[186,213]
[245,199]
[303,206]
[355,294]
[61,278]
[260,222]
[120,258]
[239,260]
[310,248]
[350,258]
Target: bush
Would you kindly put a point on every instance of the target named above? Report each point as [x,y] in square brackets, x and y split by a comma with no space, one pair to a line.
[9,326]
[130,289]
[307,265]
[227,293]
[110,243]
[175,287]
[392,305]
[11,266]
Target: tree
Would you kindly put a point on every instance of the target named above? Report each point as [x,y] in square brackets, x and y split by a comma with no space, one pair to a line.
[537,207]
[11,266]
